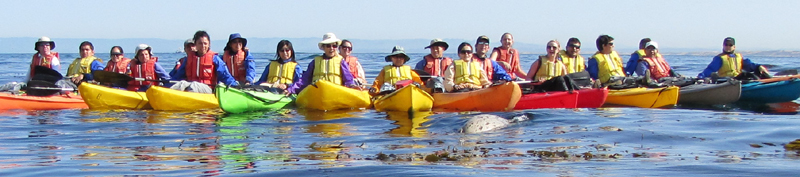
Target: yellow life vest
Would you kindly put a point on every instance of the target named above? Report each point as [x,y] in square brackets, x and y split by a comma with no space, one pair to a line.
[574,65]
[329,70]
[608,65]
[467,72]
[392,74]
[548,69]
[731,66]
[82,66]
[281,73]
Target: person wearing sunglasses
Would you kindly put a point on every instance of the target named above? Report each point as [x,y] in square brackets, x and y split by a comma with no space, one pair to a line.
[203,65]
[435,63]
[465,74]
[492,69]
[730,63]
[633,62]
[81,68]
[548,66]
[145,65]
[284,70]
[118,63]
[508,57]
[45,56]
[653,62]
[605,63]
[330,66]
[571,56]
[345,50]
[188,47]
[238,59]
[395,72]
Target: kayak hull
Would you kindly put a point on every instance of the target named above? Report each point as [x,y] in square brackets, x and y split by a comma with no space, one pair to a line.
[592,98]
[166,99]
[710,94]
[326,96]
[410,99]
[56,102]
[644,97]
[774,92]
[101,97]
[560,99]
[233,100]
[495,98]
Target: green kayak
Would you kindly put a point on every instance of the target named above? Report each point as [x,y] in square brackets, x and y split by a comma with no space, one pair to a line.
[233,100]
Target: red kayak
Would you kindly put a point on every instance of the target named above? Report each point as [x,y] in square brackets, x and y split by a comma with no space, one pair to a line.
[70,101]
[561,99]
[592,98]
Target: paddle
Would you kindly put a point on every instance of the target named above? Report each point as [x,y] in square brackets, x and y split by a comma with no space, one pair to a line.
[422,74]
[119,79]
[787,72]
[43,88]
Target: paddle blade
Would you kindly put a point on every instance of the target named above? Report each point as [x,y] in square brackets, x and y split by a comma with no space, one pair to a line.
[46,91]
[787,72]
[112,78]
[46,74]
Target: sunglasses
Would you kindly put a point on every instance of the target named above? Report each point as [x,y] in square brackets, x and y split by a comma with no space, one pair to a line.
[484,43]
[465,51]
[611,43]
[347,47]
[286,50]
[551,47]
[114,55]
[574,46]
[44,44]
[330,46]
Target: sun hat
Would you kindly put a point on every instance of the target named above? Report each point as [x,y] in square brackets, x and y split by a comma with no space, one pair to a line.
[329,38]
[438,42]
[397,50]
[235,36]
[651,43]
[45,39]
[188,41]
[143,47]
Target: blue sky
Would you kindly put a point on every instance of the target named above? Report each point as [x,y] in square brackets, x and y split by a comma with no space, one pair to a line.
[757,25]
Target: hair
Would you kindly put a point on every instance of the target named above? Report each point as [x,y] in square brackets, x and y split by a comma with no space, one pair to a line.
[603,40]
[462,45]
[345,40]
[572,40]
[200,34]
[86,43]
[504,35]
[228,46]
[557,43]
[643,42]
[117,47]
[280,46]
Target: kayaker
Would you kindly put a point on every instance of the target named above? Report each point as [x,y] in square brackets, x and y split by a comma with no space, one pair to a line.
[237,57]
[435,63]
[605,63]
[117,62]
[492,69]
[653,62]
[633,62]
[81,68]
[397,71]
[332,67]
[548,66]
[45,56]
[146,66]
[204,66]
[188,47]
[284,70]
[352,62]
[464,74]
[508,57]
[730,63]
[571,57]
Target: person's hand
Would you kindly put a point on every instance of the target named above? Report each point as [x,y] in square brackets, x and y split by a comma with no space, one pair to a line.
[77,79]
[280,86]
[373,90]
[504,64]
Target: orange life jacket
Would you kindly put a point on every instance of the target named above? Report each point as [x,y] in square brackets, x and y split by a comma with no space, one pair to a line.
[118,67]
[37,60]
[435,66]
[657,66]
[510,56]
[352,63]
[201,68]
[236,66]
[143,70]
[487,66]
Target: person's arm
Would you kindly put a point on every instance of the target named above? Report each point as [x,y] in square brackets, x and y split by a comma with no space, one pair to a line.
[264,75]
[714,66]
[641,68]
[360,70]
[499,72]
[304,80]
[161,73]
[484,79]
[298,74]
[749,66]
[630,67]
[520,72]
[448,78]
[179,73]
[376,86]
[421,65]
[592,68]
[347,76]
[414,77]
[223,75]
[250,63]
[532,72]
[493,56]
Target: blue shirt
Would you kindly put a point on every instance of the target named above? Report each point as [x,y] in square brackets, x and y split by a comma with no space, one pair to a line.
[96,66]
[298,73]
[250,67]
[499,73]
[591,67]
[161,73]
[175,69]
[716,63]
[221,70]
[630,67]
[643,67]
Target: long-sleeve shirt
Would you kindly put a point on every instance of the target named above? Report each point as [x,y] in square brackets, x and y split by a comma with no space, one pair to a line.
[498,72]
[592,68]
[177,65]
[643,67]
[161,73]
[308,75]
[449,81]
[298,73]
[220,69]
[250,67]
[716,63]
[632,64]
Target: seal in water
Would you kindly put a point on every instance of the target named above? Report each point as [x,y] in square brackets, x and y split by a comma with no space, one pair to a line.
[486,122]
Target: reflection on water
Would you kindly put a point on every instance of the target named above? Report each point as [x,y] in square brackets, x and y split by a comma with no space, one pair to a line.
[408,124]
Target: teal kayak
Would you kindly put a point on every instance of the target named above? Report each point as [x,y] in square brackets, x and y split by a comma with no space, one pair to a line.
[233,100]
[774,92]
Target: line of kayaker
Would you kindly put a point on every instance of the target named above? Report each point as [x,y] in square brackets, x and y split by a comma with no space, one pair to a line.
[473,70]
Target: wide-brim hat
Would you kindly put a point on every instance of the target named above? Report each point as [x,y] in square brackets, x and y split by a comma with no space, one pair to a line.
[45,39]
[651,43]
[438,42]
[235,36]
[141,47]
[397,50]
[329,38]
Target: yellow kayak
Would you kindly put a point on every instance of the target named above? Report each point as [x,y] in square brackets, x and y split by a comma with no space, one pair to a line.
[410,99]
[101,97]
[644,97]
[175,100]
[328,96]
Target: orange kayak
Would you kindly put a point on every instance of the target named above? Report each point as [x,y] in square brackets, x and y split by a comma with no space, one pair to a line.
[11,101]
[495,98]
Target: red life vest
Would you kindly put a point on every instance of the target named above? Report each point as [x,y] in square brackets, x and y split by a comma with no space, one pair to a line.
[37,60]
[511,58]
[352,63]
[435,66]
[657,66]
[118,67]
[201,68]
[236,66]
[143,70]
[487,66]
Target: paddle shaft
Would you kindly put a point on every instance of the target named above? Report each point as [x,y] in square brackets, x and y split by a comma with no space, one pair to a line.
[50,88]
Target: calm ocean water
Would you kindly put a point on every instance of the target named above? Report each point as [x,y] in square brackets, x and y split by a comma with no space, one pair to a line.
[730,140]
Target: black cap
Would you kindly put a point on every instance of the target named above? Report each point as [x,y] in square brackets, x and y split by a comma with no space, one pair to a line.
[482,38]
[729,40]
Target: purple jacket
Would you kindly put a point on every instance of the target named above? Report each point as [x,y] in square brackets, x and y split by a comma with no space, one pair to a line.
[347,78]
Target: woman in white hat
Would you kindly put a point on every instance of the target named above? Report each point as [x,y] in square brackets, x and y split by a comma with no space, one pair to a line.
[144,65]
[397,71]
[329,67]
[45,56]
